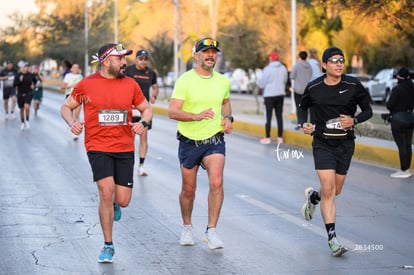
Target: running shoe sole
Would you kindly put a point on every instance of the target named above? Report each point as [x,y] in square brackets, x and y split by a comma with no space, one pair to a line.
[209,245]
[341,251]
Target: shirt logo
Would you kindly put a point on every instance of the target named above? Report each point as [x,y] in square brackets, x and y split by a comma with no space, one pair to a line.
[129,183]
[343,91]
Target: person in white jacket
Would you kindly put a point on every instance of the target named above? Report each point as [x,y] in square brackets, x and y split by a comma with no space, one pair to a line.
[273,83]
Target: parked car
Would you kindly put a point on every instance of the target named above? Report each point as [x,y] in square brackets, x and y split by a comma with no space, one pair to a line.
[381,85]
[239,81]
[169,80]
[363,78]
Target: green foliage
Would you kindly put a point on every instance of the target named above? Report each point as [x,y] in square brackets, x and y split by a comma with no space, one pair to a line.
[241,44]
[162,53]
[63,34]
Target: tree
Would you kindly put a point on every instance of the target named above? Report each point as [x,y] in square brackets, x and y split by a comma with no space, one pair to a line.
[162,52]
[62,29]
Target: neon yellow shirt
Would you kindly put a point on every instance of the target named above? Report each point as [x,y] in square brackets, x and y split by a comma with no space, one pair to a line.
[200,94]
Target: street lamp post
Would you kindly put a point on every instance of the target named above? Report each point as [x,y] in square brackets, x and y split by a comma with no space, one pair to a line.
[116,21]
[293,42]
[86,37]
[176,6]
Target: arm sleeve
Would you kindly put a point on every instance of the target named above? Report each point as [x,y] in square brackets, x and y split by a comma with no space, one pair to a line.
[363,99]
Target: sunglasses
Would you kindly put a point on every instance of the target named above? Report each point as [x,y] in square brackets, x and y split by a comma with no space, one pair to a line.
[142,58]
[119,47]
[340,60]
[210,42]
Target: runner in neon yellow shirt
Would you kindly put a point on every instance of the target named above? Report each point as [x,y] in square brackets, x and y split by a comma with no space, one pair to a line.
[200,103]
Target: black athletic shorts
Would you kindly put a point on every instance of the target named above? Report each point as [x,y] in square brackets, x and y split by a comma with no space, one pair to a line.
[8,92]
[334,155]
[24,98]
[120,166]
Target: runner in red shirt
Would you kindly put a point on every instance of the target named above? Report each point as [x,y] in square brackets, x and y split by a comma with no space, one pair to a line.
[108,97]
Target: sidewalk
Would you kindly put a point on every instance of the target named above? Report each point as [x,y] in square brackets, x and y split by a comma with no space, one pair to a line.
[247,121]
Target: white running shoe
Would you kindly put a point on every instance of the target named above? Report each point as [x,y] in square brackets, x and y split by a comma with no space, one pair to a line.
[212,239]
[27,124]
[336,247]
[22,126]
[401,174]
[186,237]
[308,208]
[12,116]
[141,171]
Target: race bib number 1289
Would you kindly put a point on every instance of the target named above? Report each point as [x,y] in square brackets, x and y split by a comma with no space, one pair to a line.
[113,117]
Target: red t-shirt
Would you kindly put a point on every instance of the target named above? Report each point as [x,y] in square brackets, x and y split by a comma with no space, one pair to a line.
[115,95]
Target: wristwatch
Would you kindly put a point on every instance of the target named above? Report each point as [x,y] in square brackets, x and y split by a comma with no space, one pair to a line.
[355,121]
[144,123]
[230,117]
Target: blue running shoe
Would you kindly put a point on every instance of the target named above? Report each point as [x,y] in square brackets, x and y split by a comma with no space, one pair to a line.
[117,212]
[107,254]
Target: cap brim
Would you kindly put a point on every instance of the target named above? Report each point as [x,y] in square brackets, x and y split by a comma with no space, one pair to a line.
[209,47]
[123,52]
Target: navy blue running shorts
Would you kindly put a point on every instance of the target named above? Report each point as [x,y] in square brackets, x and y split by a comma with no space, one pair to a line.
[191,154]
[120,166]
[336,155]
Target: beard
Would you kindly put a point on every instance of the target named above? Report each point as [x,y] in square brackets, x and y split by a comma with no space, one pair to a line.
[117,72]
[208,67]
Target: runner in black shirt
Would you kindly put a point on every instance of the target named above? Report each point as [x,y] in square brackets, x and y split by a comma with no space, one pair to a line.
[146,79]
[9,91]
[24,82]
[333,99]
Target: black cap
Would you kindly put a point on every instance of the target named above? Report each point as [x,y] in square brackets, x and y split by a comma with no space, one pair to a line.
[331,51]
[403,73]
[206,43]
[142,53]
[9,62]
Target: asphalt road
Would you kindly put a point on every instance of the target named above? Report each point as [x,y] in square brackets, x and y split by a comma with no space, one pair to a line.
[49,222]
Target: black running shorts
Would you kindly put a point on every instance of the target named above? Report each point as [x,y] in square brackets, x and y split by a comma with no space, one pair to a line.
[334,155]
[120,166]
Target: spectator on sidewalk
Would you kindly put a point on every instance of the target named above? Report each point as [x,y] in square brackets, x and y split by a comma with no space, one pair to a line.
[401,105]
[273,83]
[301,75]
